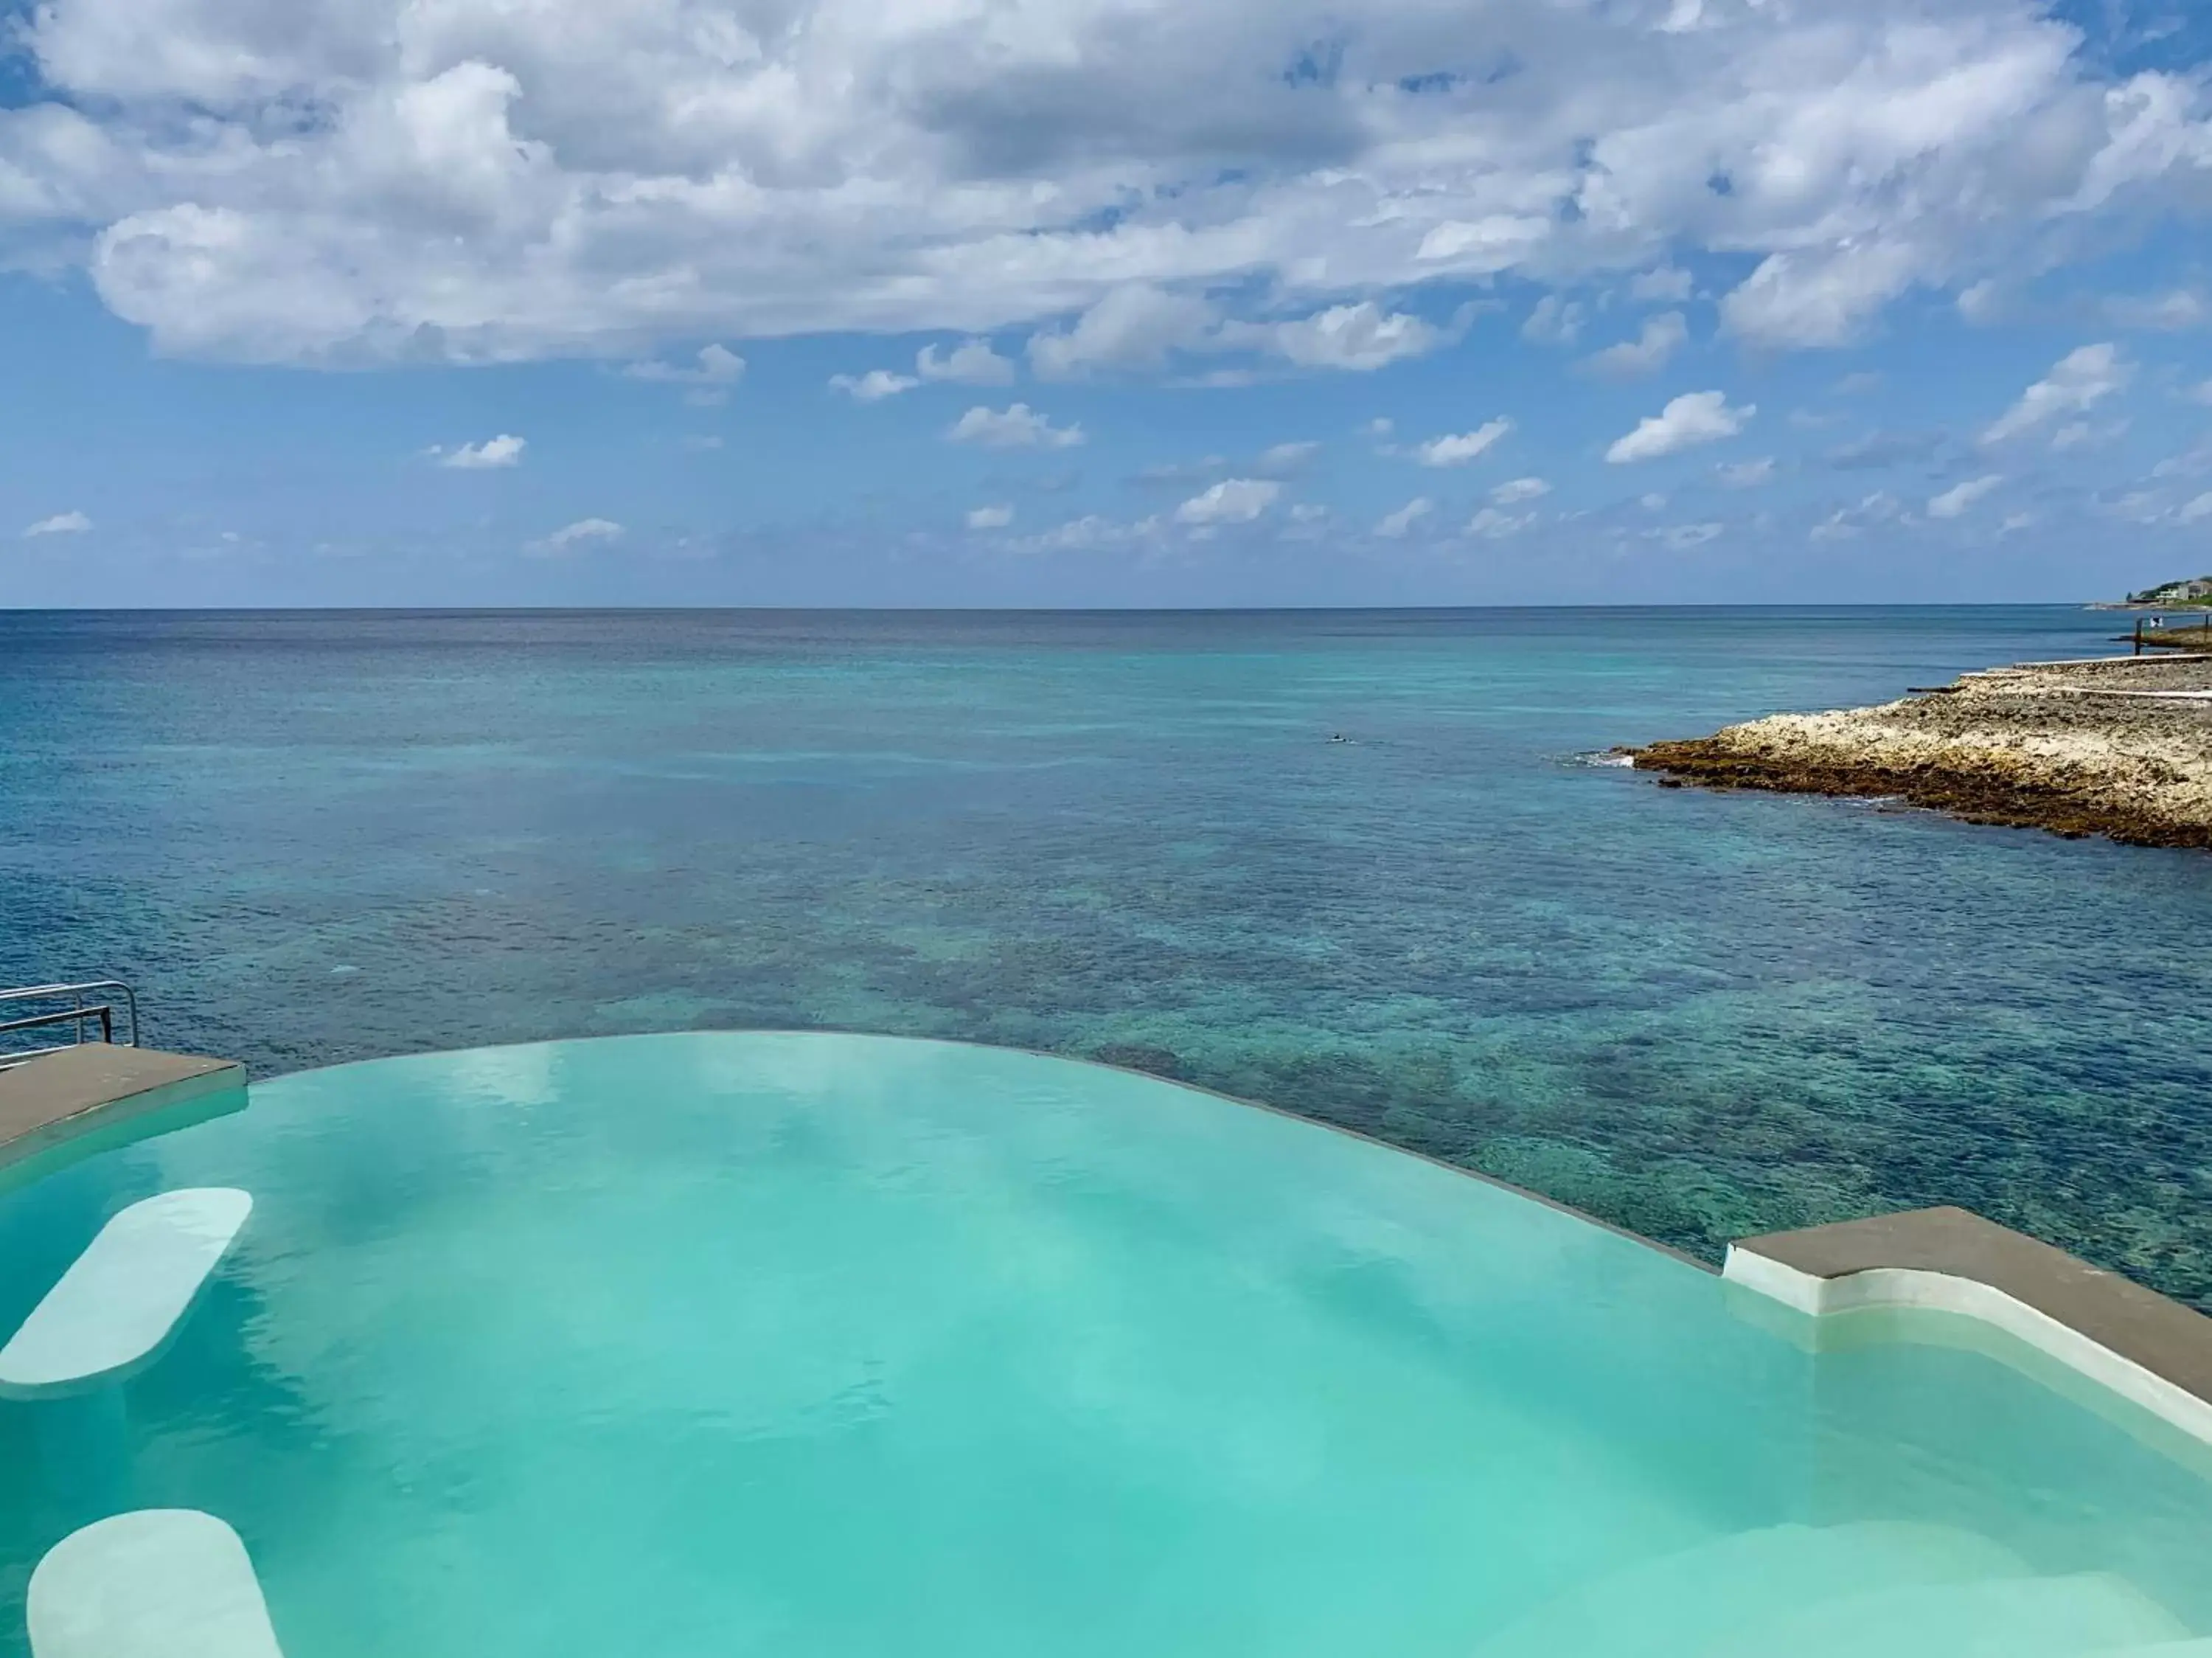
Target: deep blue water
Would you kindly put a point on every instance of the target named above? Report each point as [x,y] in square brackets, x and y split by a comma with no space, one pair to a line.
[309,838]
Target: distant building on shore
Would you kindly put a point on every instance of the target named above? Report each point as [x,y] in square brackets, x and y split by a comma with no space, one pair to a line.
[2196,591]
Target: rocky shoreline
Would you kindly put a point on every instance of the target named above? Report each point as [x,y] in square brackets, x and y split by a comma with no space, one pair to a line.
[2119,747]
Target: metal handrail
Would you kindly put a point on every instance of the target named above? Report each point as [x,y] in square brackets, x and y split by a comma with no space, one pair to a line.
[77,1013]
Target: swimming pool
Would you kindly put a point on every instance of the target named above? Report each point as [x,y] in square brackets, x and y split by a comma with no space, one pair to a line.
[803,1343]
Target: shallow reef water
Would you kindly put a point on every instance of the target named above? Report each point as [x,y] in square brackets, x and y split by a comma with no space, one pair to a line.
[315,837]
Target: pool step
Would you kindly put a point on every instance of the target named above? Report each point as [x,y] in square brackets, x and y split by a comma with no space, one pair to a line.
[2007,1618]
[153,1583]
[1678,1604]
[120,1300]
[1873,1589]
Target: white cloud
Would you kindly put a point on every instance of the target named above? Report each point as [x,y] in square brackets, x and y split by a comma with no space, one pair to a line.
[1496,526]
[1824,298]
[1959,498]
[1667,285]
[2079,381]
[1142,327]
[2192,462]
[62,523]
[2194,511]
[505,450]
[1016,427]
[873,387]
[1662,336]
[1135,326]
[1232,501]
[1286,457]
[971,363]
[1397,525]
[990,518]
[1981,304]
[1679,538]
[1880,508]
[1694,418]
[1745,474]
[1456,449]
[1554,321]
[1359,337]
[581,533]
[1085,533]
[472,180]
[2201,393]
[717,365]
[1515,490]
[2172,311]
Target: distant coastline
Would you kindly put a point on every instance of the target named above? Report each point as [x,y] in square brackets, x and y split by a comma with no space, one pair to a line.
[2116,746]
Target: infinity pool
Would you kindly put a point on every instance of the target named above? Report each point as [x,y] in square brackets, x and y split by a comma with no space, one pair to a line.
[843,1347]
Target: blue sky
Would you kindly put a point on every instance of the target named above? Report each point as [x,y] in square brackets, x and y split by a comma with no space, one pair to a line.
[1098,302]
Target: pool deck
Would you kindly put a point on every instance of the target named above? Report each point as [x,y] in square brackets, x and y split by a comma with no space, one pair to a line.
[99,1086]
[2132,1340]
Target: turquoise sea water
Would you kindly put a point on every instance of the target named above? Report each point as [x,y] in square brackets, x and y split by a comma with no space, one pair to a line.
[729,1345]
[319,838]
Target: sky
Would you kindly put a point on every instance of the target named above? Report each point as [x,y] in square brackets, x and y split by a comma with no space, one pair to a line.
[1103,301]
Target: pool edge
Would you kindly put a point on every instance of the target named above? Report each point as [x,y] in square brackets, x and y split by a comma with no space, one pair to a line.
[2129,1339]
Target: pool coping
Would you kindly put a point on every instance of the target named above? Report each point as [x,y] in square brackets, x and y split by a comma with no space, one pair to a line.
[2142,1346]
[74,1100]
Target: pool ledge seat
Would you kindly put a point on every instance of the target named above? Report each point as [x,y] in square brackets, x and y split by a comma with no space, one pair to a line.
[98,1087]
[2132,1340]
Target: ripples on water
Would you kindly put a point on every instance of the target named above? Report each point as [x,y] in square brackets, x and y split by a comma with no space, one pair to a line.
[315,838]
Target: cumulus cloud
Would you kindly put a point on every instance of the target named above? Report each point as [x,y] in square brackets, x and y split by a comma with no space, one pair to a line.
[1135,327]
[1360,338]
[2195,511]
[1232,501]
[581,533]
[62,523]
[1141,327]
[505,450]
[1092,531]
[1745,474]
[1280,458]
[1517,489]
[873,387]
[1396,526]
[1647,354]
[971,363]
[1880,508]
[2079,381]
[473,180]
[1015,427]
[1957,501]
[716,365]
[1554,321]
[990,518]
[1679,538]
[1456,449]
[1495,525]
[2172,311]
[1694,419]
[1667,285]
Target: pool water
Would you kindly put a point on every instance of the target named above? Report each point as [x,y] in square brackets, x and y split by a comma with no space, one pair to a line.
[805,1344]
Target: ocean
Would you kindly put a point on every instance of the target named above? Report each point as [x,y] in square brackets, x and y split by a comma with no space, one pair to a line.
[313,836]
